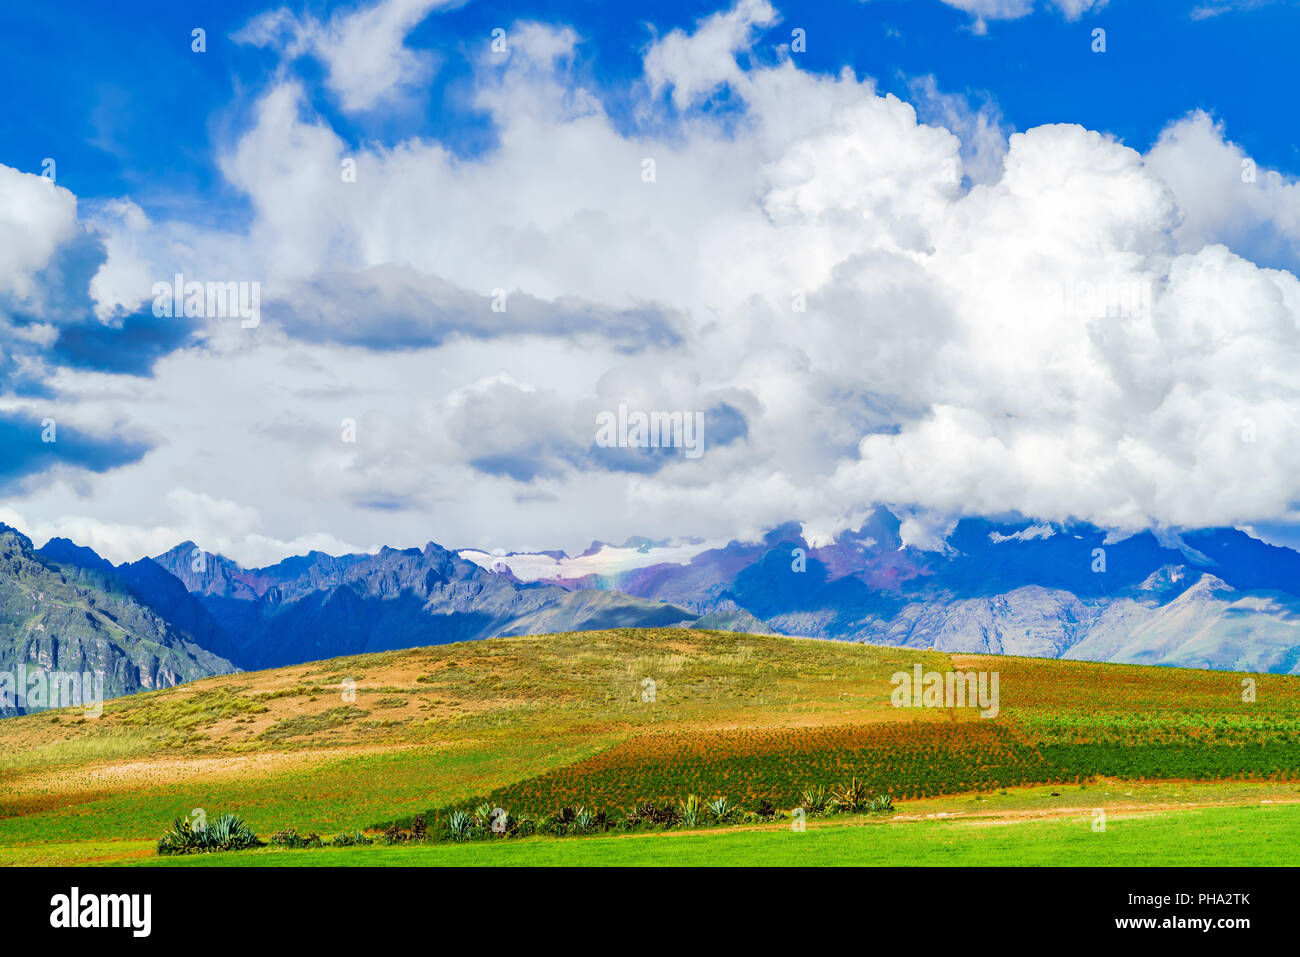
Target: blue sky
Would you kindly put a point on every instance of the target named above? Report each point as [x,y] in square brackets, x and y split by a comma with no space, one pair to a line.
[116,95]
[987,271]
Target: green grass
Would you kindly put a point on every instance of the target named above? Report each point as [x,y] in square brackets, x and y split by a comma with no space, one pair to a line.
[313,723]
[109,745]
[328,795]
[1214,836]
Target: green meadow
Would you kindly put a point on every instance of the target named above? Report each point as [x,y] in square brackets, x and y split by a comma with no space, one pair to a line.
[1260,835]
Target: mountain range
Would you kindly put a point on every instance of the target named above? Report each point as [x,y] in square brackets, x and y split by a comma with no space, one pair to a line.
[1211,598]
[67,610]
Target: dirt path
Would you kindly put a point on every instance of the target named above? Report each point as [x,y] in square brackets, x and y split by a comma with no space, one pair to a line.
[991,818]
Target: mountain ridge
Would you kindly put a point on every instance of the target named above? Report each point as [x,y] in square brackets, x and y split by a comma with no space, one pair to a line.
[70,613]
[318,606]
[1205,598]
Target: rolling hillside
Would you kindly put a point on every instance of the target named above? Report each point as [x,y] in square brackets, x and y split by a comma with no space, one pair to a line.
[568,718]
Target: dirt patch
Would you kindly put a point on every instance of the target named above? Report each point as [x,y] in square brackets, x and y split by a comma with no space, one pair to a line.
[62,786]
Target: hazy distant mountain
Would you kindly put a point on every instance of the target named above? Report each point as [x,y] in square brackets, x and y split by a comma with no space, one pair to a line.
[67,610]
[1210,598]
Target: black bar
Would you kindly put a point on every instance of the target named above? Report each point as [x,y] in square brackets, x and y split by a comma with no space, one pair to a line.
[932,906]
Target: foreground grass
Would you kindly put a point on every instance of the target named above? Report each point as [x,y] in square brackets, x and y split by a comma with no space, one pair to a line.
[1214,836]
[327,792]
[1121,800]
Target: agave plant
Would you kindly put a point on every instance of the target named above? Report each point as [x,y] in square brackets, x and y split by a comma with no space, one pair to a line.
[721,808]
[229,833]
[180,839]
[813,800]
[583,821]
[883,804]
[459,824]
[483,816]
[689,811]
[350,839]
[850,797]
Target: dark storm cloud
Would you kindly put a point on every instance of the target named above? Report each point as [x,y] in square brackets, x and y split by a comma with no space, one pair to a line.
[128,346]
[28,454]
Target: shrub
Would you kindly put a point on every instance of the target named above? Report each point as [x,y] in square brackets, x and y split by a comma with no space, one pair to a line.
[458,825]
[721,809]
[477,822]
[230,833]
[665,815]
[689,811]
[290,837]
[179,839]
[227,833]
[350,839]
[813,800]
[850,797]
[561,822]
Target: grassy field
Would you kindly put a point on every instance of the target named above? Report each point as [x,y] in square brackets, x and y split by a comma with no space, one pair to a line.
[542,721]
[1259,835]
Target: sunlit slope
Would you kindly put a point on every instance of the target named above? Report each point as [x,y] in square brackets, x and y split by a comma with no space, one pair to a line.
[348,742]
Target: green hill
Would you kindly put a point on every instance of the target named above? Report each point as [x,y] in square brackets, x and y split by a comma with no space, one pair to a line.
[614,719]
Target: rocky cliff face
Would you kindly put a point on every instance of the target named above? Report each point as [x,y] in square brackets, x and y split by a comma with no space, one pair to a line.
[81,619]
